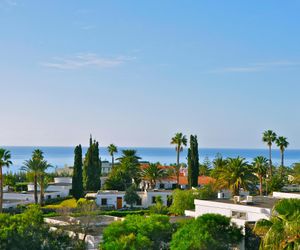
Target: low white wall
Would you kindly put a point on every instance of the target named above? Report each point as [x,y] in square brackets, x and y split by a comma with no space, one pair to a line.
[63,180]
[282,195]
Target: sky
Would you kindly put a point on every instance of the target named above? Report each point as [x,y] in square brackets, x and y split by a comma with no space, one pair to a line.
[134,73]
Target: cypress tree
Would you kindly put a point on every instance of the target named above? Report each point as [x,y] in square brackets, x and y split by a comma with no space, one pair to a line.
[92,167]
[77,184]
[193,162]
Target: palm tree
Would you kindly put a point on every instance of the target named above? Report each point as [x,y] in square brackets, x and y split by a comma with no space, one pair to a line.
[237,174]
[282,143]
[38,154]
[33,166]
[282,231]
[269,137]
[43,166]
[5,161]
[179,140]
[260,164]
[153,173]
[112,149]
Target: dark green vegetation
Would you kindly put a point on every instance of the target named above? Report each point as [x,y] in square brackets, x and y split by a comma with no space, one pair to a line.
[77,181]
[37,167]
[184,199]
[193,162]
[112,150]
[127,170]
[131,196]
[5,161]
[209,231]
[282,231]
[138,232]
[28,231]
[92,167]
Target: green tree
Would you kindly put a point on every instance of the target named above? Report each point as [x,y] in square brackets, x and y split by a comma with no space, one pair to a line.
[282,231]
[179,140]
[193,162]
[237,174]
[282,143]
[112,149]
[269,137]
[131,196]
[260,164]
[205,167]
[28,231]
[159,207]
[77,181]
[209,231]
[182,200]
[92,167]
[5,161]
[153,173]
[138,233]
[43,166]
[32,166]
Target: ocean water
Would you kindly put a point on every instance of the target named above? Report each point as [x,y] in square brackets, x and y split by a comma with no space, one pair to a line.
[60,156]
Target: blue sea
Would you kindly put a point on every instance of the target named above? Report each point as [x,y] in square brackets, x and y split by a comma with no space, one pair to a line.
[61,156]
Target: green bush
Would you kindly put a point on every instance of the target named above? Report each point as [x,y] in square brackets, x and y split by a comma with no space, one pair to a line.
[138,233]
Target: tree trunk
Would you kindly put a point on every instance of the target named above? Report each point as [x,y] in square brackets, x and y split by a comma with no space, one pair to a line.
[1,189]
[270,161]
[42,191]
[260,185]
[178,166]
[112,161]
[35,189]
[282,158]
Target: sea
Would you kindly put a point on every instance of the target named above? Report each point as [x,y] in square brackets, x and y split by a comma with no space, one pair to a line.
[62,156]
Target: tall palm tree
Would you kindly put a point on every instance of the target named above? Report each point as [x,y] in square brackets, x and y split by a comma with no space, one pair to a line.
[5,161]
[282,231]
[112,149]
[153,173]
[43,166]
[237,174]
[282,143]
[179,140]
[269,137]
[260,164]
[33,166]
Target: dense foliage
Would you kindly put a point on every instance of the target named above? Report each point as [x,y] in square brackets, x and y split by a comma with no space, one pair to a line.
[138,233]
[28,231]
[209,231]
[282,231]
[92,167]
[131,196]
[126,172]
[77,183]
[193,162]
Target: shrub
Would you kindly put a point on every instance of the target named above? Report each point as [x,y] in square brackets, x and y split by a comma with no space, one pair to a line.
[138,232]
[209,231]
[182,200]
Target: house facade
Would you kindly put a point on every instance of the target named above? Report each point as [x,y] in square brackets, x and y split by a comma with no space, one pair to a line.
[115,199]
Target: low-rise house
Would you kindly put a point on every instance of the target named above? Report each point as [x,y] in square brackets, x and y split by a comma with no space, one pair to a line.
[115,199]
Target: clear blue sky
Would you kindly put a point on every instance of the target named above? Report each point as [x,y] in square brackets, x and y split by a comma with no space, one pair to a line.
[135,72]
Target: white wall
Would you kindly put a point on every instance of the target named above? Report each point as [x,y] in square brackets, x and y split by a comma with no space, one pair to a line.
[282,195]
[63,180]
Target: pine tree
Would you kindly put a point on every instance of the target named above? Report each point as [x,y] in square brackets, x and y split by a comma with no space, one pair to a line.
[92,167]
[77,182]
[193,162]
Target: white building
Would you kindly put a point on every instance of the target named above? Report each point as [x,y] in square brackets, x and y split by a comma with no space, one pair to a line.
[113,198]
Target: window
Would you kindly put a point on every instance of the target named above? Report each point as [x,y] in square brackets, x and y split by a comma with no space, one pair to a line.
[58,196]
[161,185]
[153,199]
[239,215]
[103,201]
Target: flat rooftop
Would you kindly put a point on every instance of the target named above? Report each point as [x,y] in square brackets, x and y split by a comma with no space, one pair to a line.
[258,201]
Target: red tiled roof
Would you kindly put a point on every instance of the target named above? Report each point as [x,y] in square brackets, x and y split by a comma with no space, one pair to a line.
[202,180]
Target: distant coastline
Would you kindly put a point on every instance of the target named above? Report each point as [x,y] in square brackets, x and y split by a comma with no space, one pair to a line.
[60,156]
